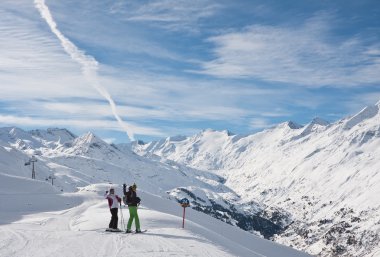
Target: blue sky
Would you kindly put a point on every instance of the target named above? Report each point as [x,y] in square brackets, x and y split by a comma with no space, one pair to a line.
[170,67]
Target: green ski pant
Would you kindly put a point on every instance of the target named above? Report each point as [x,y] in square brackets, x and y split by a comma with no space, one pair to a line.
[133,215]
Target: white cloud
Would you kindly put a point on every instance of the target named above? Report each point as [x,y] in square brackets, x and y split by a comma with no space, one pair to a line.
[41,86]
[88,124]
[32,64]
[166,111]
[357,102]
[86,109]
[303,55]
[278,112]
[259,123]
[174,97]
[109,140]
[170,14]
[88,64]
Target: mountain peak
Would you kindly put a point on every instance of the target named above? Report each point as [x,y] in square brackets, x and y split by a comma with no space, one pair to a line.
[207,130]
[13,131]
[177,138]
[210,131]
[89,138]
[293,125]
[365,114]
[53,134]
[90,145]
[61,130]
[286,125]
[319,121]
[228,133]
[316,125]
[19,138]
[140,142]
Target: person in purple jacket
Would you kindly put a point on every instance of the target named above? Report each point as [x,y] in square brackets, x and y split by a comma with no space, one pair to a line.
[113,203]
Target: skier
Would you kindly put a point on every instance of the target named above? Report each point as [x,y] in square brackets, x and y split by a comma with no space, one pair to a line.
[133,201]
[113,203]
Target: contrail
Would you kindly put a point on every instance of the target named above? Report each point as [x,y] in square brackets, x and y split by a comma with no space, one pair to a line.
[88,63]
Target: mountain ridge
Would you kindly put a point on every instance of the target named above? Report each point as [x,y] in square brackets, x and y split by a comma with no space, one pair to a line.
[317,172]
[312,187]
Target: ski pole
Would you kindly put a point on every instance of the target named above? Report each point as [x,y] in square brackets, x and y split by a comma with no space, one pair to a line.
[122,223]
[122,218]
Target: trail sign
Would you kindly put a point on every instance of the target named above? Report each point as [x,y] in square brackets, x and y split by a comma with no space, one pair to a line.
[184,203]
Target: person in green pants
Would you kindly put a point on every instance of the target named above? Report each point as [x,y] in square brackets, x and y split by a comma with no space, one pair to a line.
[133,201]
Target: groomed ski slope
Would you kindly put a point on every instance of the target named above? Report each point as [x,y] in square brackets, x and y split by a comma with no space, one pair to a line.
[37,221]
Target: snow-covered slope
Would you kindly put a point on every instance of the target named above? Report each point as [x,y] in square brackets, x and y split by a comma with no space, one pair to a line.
[73,225]
[313,187]
[326,176]
[53,135]
[39,219]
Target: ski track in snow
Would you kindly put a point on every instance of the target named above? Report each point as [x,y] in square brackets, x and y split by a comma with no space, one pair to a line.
[80,231]
[53,233]
[37,219]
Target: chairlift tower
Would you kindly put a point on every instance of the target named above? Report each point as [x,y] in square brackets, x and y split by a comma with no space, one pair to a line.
[32,161]
[52,179]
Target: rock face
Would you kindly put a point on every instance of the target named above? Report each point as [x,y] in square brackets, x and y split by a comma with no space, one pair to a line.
[326,176]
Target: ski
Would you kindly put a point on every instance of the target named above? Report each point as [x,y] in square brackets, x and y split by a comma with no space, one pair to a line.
[113,230]
[134,232]
[142,231]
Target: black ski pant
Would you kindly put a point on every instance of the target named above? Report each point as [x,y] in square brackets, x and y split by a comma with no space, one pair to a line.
[114,218]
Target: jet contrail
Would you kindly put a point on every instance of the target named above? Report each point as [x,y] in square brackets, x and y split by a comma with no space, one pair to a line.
[88,63]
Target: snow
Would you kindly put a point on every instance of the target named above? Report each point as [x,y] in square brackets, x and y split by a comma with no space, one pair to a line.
[315,126]
[53,135]
[367,113]
[315,172]
[321,178]
[69,218]
[37,221]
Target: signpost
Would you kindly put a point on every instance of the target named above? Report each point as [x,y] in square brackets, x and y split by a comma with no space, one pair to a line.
[184,203]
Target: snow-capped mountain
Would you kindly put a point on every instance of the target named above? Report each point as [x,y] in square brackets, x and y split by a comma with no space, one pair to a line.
[80,161]
[326,176]
[312,187]
[89,163]
[53,135]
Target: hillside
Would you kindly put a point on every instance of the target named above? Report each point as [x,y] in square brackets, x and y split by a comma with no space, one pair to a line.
[69,217]
[325,176]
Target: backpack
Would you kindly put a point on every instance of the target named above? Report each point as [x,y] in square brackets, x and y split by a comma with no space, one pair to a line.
[125,200]
[131,199]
